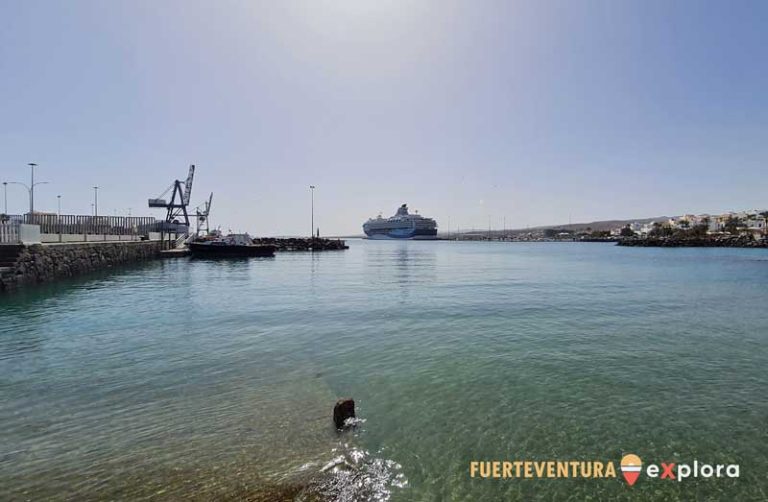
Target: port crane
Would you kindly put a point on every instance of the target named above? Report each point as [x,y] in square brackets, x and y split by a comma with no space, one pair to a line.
[176,209]
[201,213]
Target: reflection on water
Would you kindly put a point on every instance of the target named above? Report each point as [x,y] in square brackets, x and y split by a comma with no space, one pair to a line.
[198,379]
[401,263]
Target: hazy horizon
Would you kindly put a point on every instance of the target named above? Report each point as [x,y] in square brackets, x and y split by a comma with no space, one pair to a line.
[533,113]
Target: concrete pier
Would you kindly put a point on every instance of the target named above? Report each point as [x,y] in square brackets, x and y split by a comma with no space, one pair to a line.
[31,264]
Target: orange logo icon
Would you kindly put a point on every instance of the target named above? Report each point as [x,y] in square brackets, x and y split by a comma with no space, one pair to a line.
[631,465]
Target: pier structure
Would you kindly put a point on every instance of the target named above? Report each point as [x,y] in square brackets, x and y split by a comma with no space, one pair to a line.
[38,247]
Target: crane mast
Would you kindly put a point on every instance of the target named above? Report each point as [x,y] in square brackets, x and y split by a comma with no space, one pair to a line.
[176,208]
[202,215]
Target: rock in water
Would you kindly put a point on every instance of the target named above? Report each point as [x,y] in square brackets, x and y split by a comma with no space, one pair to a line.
[344,409]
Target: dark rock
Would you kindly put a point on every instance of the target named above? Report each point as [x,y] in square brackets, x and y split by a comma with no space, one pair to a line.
[344,409]
[708,241]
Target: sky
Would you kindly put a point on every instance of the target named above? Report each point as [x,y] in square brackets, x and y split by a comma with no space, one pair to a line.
[517,113]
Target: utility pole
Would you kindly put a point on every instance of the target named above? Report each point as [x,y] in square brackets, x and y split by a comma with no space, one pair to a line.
[32,166]
[30,190]
[312,230]
[58,214]
[95,201]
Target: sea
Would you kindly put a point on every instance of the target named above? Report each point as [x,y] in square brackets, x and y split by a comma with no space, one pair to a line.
[189,379]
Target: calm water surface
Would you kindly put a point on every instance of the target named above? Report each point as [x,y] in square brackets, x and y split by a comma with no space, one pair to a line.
[216,379]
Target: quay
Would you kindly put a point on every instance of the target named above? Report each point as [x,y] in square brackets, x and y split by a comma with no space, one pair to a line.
[175,252]
[50,247]
[38,247]
[41,248]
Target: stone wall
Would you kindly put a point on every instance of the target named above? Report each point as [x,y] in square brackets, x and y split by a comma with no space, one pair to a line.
[41,263]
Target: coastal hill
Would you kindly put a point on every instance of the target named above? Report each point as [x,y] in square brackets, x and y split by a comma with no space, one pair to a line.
[593,226]
[604,225]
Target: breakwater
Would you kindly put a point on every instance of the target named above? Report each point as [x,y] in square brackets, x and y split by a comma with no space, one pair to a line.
[720,241]
[42,263]
[303,244]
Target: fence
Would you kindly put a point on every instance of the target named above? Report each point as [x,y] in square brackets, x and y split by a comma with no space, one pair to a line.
[15,232]
[79,224]
[9,232]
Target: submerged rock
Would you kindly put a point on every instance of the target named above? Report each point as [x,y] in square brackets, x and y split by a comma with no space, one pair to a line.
[344,409]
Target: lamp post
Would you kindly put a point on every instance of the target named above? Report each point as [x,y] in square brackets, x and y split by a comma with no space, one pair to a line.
[32,167]
[58,214]
[95,201]
[5,197]
[312,233]
[30,190]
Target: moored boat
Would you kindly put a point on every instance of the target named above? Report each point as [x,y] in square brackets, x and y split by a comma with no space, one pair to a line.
[234,245]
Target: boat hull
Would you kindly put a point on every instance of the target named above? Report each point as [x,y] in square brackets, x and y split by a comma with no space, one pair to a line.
[224,251]
[401,233]
[386,237]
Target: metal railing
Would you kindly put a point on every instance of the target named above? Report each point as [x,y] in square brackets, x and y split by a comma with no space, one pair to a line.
[9,232]
[181,240]
[79,224]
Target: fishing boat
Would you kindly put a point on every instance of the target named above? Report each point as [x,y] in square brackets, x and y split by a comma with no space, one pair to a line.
[238,245]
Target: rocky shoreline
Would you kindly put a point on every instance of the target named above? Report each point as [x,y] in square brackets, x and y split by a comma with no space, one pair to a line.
[719,241]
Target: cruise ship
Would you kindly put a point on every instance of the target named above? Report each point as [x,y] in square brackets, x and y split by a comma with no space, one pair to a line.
[401,226]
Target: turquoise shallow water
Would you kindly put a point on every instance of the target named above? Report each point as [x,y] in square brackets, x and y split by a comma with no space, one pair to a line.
[214,379]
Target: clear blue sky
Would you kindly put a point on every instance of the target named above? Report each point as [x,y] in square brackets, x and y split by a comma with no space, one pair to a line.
[537,111]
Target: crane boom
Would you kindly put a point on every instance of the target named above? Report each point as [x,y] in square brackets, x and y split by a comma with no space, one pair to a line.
[188,184]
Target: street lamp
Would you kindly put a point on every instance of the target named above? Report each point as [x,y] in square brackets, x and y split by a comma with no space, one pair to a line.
[312,233]
[58,214]
[95,201]
[32,166]
[30,190]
